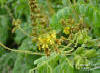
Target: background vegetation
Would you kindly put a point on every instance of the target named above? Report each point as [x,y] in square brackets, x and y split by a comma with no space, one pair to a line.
[74,23]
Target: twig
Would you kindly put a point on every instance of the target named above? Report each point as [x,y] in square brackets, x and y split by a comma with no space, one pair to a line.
[21,51]
[23,31]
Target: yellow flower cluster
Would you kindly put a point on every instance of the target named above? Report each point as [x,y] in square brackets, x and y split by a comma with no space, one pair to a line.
[44,41]
[66,30]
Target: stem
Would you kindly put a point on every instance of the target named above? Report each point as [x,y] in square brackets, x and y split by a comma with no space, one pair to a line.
[20,51]
[51,10]
[74,1]
[24,32]
[73,9]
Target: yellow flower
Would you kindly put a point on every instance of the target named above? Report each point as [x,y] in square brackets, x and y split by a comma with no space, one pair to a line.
[45,46]
[53,35]
[39,46]
[51,42]
[43,41]
[46,40]
[66,30]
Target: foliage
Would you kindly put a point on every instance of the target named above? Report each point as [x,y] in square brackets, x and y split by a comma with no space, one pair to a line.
[49,36]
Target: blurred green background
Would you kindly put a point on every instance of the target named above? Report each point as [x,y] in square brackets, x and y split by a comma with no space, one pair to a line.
[11,62]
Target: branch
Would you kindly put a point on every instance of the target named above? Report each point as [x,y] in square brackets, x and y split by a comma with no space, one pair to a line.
[21,51]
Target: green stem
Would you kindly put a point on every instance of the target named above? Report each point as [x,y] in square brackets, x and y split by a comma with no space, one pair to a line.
[24,32]
[21,51]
